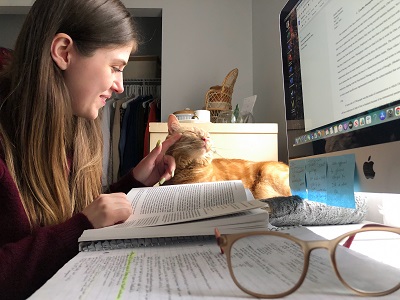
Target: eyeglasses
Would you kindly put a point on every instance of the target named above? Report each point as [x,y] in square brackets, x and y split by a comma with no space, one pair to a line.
[271,264]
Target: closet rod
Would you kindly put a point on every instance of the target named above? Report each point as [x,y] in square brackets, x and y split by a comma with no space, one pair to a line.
[143,81]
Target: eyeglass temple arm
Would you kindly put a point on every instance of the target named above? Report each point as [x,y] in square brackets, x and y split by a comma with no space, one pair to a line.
[347,244]
[218,237]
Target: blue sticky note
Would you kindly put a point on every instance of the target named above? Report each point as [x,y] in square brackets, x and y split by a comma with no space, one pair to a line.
[316,179]
[340,181]
[297,178]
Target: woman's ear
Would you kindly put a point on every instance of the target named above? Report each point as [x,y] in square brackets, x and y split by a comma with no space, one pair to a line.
[61,48]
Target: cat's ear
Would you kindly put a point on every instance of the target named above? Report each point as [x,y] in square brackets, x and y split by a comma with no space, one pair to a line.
[173,124]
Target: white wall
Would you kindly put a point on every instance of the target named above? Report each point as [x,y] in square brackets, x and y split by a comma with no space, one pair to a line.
[267,69]
[202,41]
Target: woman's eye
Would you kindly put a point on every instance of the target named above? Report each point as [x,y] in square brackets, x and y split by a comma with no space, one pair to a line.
[116,69]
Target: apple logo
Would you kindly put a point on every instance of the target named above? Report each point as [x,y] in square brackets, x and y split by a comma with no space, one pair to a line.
[368,168]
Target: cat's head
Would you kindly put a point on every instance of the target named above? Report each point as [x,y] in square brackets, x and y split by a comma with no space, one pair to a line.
[193,148]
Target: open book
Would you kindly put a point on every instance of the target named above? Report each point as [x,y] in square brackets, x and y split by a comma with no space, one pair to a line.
[182,210]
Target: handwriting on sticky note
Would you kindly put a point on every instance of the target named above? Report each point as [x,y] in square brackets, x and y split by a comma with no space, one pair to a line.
[327,180]
[316,179]
[297,178]
[340,180]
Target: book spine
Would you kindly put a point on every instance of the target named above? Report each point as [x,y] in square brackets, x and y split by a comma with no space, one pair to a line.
[105,245]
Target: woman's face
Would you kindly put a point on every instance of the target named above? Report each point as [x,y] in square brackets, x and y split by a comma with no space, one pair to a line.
[92,80]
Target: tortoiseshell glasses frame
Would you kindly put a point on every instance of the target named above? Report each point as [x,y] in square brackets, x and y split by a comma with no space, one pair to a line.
[225,242]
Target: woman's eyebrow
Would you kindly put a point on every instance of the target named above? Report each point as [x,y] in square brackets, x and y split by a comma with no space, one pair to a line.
[120,61]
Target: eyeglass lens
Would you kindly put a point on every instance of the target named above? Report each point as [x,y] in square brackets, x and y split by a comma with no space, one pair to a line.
[267,264]
[372,263]
[271,265]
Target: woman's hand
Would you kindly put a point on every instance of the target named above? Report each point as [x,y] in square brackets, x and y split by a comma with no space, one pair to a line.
[156,166]
[108,209]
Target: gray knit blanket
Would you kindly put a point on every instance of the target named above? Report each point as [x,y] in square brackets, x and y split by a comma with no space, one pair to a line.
[293,210]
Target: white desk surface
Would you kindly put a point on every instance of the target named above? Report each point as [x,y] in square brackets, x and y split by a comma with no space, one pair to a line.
[391,255]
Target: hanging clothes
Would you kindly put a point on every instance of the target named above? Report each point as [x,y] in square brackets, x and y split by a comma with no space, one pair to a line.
[127,138]
[115,137]
[106,115]
[136,121]
[153,117]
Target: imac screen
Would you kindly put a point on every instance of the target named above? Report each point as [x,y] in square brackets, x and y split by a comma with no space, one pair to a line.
[341,71]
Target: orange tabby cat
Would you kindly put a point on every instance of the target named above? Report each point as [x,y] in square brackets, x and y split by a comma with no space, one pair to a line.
[194,160]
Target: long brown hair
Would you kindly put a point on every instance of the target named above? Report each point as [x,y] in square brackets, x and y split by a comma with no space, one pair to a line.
[38,131]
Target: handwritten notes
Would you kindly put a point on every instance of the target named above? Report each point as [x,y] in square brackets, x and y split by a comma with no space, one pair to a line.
[341,181]
[328,180]
[298,178]
[198,271]
[316,179]
[182,271]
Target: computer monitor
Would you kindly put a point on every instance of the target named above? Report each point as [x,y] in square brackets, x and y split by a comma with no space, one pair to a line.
[341,70]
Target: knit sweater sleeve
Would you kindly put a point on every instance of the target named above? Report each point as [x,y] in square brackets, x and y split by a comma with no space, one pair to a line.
[28,259]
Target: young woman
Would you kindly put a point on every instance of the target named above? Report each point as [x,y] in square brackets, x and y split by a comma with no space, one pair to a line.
[67,61]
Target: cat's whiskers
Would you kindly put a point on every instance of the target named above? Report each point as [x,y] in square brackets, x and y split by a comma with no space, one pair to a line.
[215,152]
[223,148]
[220,156]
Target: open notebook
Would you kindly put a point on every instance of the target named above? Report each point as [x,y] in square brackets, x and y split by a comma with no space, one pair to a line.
[194,270]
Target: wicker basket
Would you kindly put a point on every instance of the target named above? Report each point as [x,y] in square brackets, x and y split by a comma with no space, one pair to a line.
[219,97]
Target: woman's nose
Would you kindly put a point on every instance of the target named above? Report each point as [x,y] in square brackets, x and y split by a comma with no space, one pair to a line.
[118,84]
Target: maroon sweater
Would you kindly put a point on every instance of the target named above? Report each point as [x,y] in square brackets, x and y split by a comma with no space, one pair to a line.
[28,260]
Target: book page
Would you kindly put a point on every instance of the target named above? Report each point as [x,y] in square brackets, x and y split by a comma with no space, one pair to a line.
[177,203]
[183,271]
[159,218]
[170,210]
[254,219]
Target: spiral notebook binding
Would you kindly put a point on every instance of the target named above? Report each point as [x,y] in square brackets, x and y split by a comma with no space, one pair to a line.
[105,245]
[280,228]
